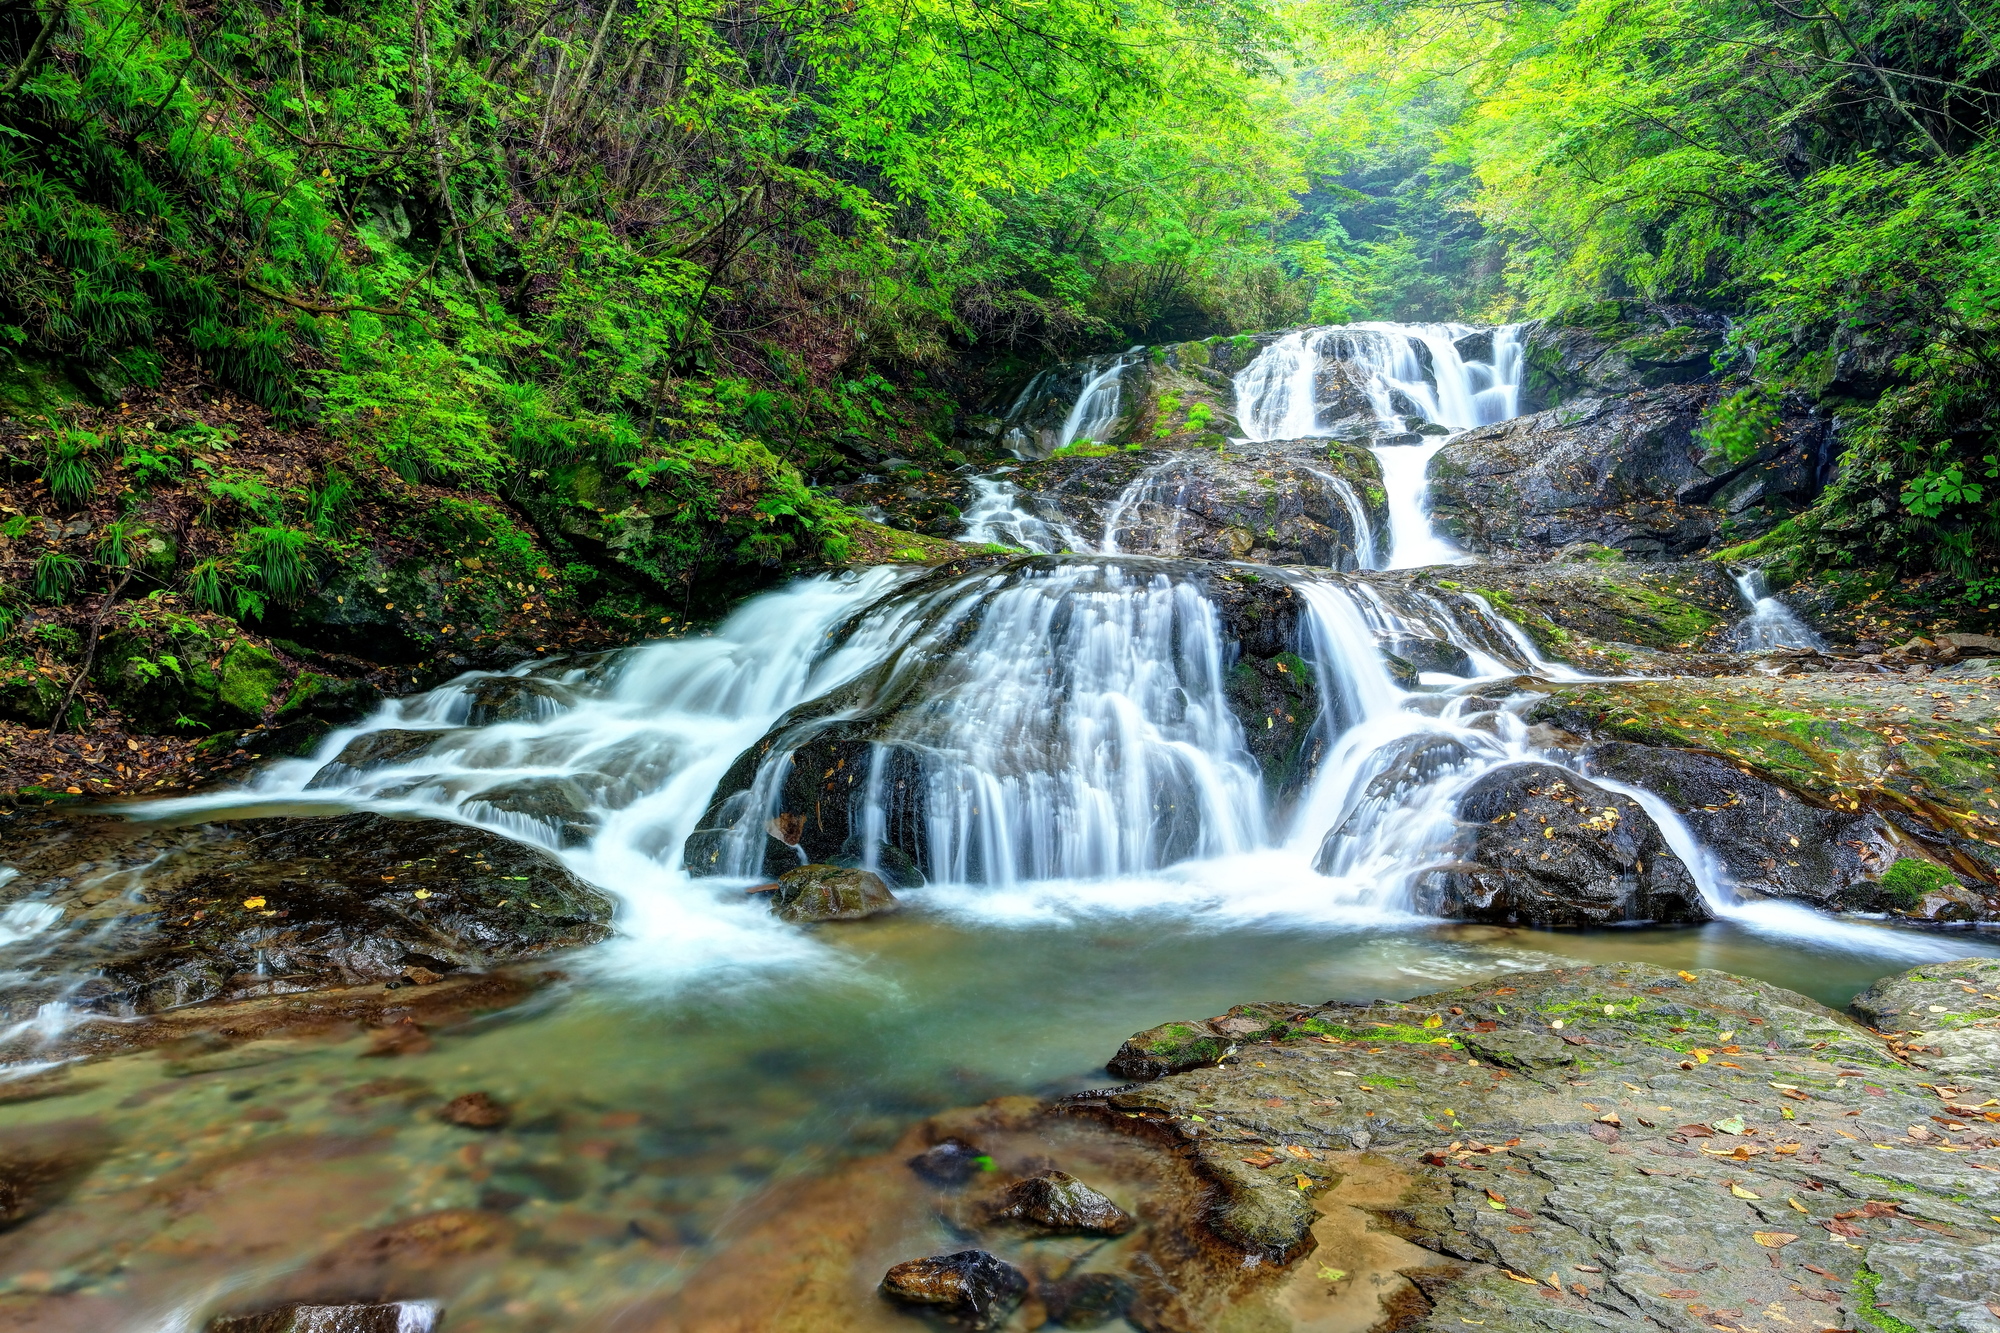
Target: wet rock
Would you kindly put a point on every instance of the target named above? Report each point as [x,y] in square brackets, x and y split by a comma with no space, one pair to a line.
[275,906]
[397,1317]
[970,1288]
[1410,655]
[1618,347]
[316,705]
[830,893]
[1726,1202]
[1060,1204]
[1626,473]
[475,1110]
[515,699]
[374,749]
[1276,700]
[1772,842]
[559,807]
[950,1163]
[1174,1047]
[1948,1018]
[1544,847]
[1086,1300]
[1607,616]
[1276,502]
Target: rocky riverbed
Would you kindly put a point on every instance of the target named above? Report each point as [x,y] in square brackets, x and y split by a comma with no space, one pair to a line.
[1593,1147]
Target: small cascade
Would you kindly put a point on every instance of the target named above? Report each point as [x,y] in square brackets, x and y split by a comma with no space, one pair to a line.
[1771,623]
[1357,517]
[1413,375]
[997,516]
[1096,408]
[1155,502]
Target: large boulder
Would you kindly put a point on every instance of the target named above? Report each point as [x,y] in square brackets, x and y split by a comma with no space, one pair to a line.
[1626,473]
[256,907]
[1289,502]
[1771,842]
[1541,846]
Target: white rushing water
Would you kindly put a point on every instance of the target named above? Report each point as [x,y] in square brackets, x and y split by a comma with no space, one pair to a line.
[1771,623]
[1059,730]
[1407,371]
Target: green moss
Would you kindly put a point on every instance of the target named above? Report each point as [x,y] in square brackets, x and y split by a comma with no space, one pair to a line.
[1409,1033]
[1683,622]
[1910,878]
[1784,535]
[1866,1283]
[250,679]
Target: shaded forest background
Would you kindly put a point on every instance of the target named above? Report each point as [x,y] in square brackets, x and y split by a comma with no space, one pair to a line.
[444,329]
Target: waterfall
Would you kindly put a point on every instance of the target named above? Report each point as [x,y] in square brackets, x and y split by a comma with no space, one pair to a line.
[1096,407]
[997,516]
[1082,732]
[1420,371]
[1771,623]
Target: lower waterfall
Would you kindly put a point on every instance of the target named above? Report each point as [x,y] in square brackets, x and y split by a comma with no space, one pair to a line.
[1060,731]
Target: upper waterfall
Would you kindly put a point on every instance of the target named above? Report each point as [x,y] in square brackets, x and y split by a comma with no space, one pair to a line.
[1422,384]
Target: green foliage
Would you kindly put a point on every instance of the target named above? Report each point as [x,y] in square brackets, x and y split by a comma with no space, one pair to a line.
[280,559]
[56,576]
[71,466]
[1742,423]
[1907,881]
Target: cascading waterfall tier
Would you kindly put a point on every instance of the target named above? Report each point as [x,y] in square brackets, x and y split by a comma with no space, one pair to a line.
[1078,729]
[1771,623]
[1053,718]
[1444,377]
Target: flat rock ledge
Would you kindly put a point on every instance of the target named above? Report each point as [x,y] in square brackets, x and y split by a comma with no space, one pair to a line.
[1616,1146]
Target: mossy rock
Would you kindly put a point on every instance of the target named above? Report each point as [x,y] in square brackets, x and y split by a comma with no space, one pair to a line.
[28,696]
[163,687]
[250,681]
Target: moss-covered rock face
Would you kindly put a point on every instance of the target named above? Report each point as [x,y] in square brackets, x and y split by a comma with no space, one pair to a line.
[1608,616]
[1921,758]
[250,680]
[1616,347]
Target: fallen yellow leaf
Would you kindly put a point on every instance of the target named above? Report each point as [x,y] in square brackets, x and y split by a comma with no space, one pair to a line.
[1742,1193]
[1773,1240]
[253,902]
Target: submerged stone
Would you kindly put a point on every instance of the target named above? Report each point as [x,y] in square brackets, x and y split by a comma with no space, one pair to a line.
[970,1288]
[830,893]
[1086,1300]
[475,1110]
[1060,1203]
[951,1162]
[395,1317]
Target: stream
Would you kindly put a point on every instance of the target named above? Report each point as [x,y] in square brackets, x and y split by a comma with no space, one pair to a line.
[1040,755]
